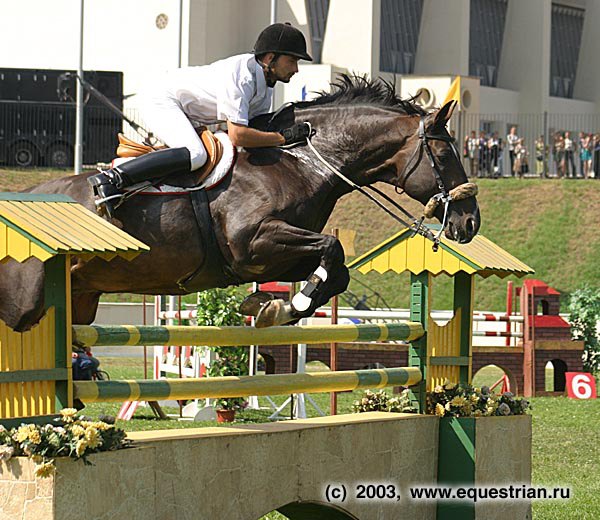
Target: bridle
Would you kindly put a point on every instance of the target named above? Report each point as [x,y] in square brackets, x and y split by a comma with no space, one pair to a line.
[462,191]
[444,196]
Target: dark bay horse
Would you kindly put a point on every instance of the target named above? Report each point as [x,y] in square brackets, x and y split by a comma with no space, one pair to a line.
[268,215]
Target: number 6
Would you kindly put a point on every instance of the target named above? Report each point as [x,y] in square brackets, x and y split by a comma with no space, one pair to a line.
[581,385]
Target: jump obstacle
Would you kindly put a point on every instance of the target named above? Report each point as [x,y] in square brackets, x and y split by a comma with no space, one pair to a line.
[536,336]
[535,333]
[34,393]
[103,336]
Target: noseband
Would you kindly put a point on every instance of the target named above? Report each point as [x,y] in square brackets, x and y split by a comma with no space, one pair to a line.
[444,196]
[460,192]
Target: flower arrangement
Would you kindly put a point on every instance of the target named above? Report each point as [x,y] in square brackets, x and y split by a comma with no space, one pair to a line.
[231,403]
[77,437]
[451,400]
[381,401]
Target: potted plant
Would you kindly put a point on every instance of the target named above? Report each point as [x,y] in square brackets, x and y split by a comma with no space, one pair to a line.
[218,307]
[226,408]
[381,401]
[72,435]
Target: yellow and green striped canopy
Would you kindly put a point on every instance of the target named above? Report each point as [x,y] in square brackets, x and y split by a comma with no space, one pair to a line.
[42,226]
[404,252]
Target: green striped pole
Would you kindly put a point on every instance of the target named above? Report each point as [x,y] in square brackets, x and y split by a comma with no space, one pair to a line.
[111,335]
[200,388]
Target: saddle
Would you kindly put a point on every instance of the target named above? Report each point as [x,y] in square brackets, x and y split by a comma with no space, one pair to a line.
[214,148]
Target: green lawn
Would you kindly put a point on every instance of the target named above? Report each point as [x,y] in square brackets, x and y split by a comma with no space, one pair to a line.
[566,439]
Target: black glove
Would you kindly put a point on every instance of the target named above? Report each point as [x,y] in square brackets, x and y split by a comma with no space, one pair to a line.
[296,134]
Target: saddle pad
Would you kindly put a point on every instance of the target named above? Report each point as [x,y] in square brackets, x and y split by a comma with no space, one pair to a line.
[219,172]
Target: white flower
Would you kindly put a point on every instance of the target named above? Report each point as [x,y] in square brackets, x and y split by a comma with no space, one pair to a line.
[504,409]
[6,452]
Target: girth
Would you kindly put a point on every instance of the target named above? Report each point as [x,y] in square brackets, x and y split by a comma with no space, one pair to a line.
[214,264]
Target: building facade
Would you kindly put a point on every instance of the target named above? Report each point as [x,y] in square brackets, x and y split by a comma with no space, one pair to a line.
[517,60]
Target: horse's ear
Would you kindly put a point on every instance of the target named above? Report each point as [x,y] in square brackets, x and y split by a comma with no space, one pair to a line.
[442,115]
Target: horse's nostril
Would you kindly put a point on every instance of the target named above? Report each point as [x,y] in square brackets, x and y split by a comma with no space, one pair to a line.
[454,233]
[470,227]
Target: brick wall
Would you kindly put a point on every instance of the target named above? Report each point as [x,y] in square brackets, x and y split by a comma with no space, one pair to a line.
[553,333]
[572,363]
[347,359]
[510,362]
[279,360]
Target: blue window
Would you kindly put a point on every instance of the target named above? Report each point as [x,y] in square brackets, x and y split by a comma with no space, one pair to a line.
[567,26]
[486,31]
[400,25]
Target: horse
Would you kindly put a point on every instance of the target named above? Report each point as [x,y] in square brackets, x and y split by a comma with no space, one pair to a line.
[268,214]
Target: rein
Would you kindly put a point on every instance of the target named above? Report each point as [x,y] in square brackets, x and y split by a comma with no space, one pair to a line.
[444,196]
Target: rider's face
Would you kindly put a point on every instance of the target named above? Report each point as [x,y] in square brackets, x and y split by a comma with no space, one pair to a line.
[284,67]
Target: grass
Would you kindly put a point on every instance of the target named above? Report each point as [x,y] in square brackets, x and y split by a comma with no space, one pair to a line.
[566,438]
[545,223]
[19,179]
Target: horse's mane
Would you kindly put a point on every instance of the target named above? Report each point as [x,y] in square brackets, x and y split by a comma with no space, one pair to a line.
[356,90]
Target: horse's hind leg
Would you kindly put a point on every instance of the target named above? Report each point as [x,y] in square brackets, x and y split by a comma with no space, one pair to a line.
[84,307]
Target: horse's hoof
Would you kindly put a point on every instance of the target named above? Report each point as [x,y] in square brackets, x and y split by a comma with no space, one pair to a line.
[274,312]
[253,304]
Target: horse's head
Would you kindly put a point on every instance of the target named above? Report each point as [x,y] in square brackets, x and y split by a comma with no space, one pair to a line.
[372,135]
[427,167]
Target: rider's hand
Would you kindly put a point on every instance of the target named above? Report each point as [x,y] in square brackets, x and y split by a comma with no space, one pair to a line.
[296,134]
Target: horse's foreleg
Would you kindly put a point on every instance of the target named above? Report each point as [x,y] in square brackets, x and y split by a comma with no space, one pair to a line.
[278,243]
[329,279]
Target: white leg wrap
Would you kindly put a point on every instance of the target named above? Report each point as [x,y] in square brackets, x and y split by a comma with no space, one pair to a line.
[301,301]
[321,273]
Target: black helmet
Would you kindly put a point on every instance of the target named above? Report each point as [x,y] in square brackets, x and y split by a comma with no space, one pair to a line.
[282,38]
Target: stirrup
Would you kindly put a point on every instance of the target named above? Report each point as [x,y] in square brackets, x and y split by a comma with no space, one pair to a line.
[106,194]
[108,205]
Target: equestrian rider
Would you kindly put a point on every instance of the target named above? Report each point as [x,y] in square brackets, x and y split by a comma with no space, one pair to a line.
[234,90]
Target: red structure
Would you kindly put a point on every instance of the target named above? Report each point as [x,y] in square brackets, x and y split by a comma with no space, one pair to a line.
[546,338]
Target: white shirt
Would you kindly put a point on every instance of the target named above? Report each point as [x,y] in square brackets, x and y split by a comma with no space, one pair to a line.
[569,144]
[512,141]
[232,89]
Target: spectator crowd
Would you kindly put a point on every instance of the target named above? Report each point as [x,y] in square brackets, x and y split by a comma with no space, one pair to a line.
[564,156]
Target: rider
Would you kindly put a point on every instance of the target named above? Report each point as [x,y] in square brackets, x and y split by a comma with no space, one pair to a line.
[234,90]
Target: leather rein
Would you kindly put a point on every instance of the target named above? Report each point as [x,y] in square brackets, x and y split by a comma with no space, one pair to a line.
[444,196]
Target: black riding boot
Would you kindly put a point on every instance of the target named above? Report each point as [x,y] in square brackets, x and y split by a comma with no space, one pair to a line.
[107,184]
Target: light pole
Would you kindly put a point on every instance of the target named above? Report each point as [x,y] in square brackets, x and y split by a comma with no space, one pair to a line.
[79,99]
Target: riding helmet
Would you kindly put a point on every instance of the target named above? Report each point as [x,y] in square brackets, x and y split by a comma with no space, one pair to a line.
[282,38]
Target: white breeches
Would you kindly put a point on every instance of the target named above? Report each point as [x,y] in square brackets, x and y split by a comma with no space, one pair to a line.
[165,119]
